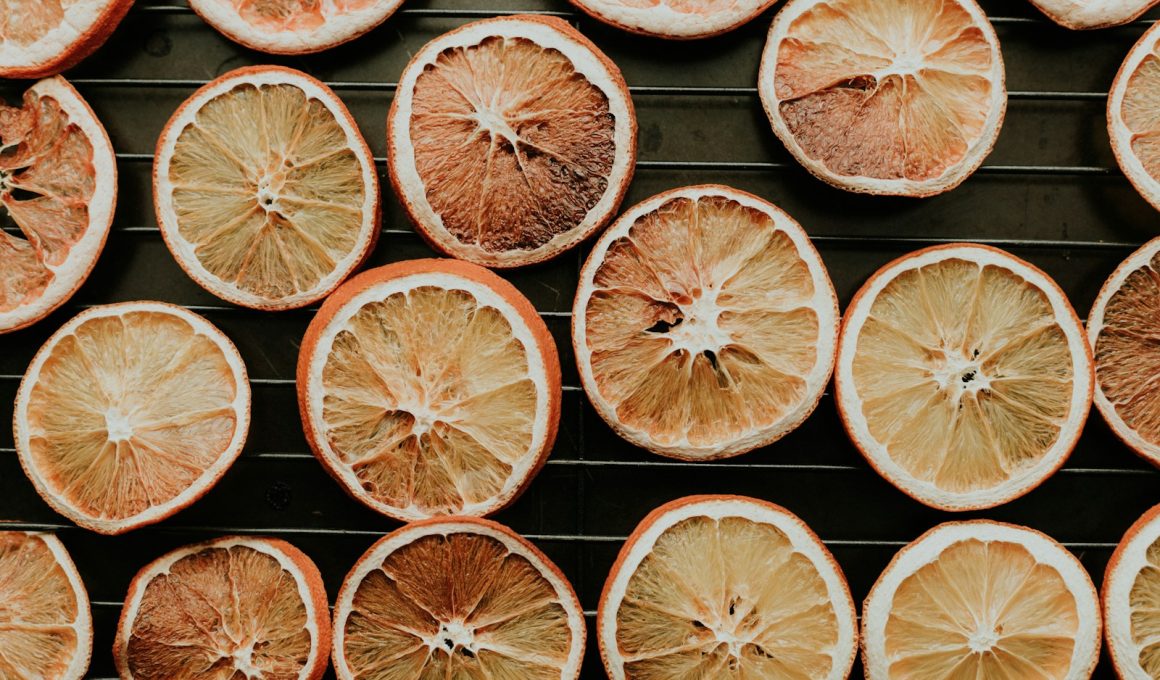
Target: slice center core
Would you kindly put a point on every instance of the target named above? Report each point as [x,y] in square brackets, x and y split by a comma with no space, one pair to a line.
[118,426]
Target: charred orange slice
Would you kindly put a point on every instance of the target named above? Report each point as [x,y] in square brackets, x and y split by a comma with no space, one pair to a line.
[1086,14]
[1130,595]
[676,19]
[294,26]
[1133,123]
[44,37]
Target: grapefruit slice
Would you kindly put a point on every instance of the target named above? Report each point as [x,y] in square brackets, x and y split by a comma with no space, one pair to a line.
[44,37]
[294,26]
[726,587]
[676,19]
[430,387]
[510,140]
[130,413]
[266,192]
[704,324]
[1085,14]
[963,376]
[457,598]
[981,600]
[231,608]
[1133,125]
[1124,330]
[1130,595]
[898,97]
[58,186]
[46,629]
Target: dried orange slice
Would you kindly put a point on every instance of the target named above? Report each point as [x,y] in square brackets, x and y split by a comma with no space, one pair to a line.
[43,37]
[430,387]
[457,598]
[130,413]
[58,184]
[234,607]
[1133,125]
[963,376]
[704,324]
[511,140]
[1085,14]
[294,26]
[46,629]
[981,600]
[1130,595]
[1124,331]
[726,587]
[899,97]
[266,192]
[677,19]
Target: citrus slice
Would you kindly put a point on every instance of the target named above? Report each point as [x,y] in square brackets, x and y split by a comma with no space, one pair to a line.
[130,413]
[677,19]
[58,186]
[46,629]
[981,600]
[1130,595]
[231,608]
[1085,14]
[430,387]
[898,97]
[963,376]
[704,324]
[457,598]
[726,587]
[294,26]
[43,37]
[1124,330]
[1133,125]
[510,140]
[266,192]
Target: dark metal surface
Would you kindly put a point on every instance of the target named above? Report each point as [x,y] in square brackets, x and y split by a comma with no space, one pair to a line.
[1050,192]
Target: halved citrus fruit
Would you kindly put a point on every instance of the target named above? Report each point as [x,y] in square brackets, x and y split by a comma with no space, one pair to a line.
[236,607]
[430,387]
[43,37]
[266,193]
[1085,14]
[130,413]
[46,629]
[1133,123]
[898,97]
[963,376]
[704,324]
[676,19]
[981,600]
[1131,600]
[294,26]
[510,140]
[58,185]
[1124,331]
[457,598]
[726,587]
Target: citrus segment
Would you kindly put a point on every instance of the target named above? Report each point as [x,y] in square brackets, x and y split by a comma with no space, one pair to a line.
[981,600]
[58,183]
[1131,600]
[230,608]
[266,193]
[897,97]
[129,413]
[677,19]
[511,140]
[1133,124]
[725,587]
[43,37]
[457,598]
[430,387]
[1086,14]
[704,323]
[294,26]
[963,376]
[46,630]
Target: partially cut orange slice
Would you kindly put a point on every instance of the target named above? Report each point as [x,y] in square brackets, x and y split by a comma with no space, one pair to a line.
[227,609]
[726,587]
[44,37]
[1087,14]
[457,598]
[899,97]
[982,600]
[58,187]
[294,26]
[129,413]
[46,628]
[1133,122]
[963,375]
[704,324]
[676,19]
[511,140]
[266,193]
[1131,601]
[430,387]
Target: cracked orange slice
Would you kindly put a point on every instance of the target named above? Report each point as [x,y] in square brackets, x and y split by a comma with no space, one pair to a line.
[1133,122]
[44,37]
[676,19]
[294,26]
[900,97]
[1086,14]
[266,193]
[511,140]
[1130,595]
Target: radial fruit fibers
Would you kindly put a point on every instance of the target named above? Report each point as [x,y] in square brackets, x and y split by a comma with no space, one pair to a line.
[294,26]
[1131,600]
[1133,122]
[676,19]
[44,37]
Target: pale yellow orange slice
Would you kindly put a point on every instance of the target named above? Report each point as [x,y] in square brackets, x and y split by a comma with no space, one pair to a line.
[1087,14]
[294,26]
[1131,601]
[1133,122]
[677,19]
[44,37]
